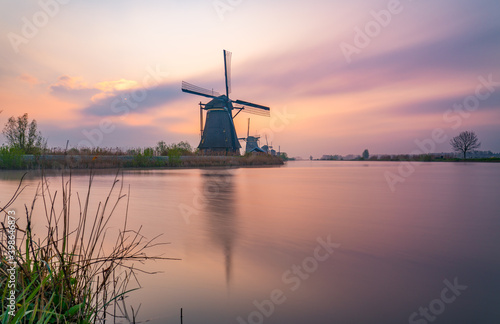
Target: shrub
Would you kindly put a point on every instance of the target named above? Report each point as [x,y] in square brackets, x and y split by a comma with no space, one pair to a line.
[11,158]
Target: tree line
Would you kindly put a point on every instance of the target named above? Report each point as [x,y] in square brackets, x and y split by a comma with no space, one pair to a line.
[23,137]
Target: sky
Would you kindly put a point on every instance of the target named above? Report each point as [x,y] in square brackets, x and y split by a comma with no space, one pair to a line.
[340,76]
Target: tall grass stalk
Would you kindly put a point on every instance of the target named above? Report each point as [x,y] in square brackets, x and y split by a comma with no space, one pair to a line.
[71,275]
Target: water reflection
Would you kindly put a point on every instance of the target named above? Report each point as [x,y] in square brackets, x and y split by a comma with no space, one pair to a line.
[249,226]
[221,214]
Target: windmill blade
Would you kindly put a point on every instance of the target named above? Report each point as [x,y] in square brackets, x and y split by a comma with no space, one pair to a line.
[227,71]
[246,103]
[191,88]
[256,111]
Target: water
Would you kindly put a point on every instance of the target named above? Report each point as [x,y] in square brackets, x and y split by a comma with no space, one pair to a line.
[313,242]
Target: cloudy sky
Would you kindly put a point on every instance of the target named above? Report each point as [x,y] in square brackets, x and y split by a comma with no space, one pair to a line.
[339,76]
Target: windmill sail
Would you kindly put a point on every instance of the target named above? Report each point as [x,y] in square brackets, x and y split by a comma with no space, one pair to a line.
[191,88]
[227,71]
[246,103]
[255,111]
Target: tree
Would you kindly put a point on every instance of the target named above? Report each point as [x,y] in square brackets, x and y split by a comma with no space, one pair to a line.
[184,146]
[283,156]
[465,142]
[366,154]
[161,148]
[181,148]
[23,135]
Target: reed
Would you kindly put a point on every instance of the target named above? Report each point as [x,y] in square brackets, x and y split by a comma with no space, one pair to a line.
[71,275]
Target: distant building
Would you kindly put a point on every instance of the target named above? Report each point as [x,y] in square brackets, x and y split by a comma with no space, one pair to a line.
[470,155]
[351,157]
[331,157]
[482,154]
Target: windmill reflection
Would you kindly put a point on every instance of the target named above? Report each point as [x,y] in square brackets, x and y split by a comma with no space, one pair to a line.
[219,192]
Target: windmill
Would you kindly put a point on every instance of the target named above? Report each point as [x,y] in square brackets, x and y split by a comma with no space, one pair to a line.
[269,148]
[252,142]
[219,135]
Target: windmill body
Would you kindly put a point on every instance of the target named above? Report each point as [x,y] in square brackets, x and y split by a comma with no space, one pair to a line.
[218,135]
[253,145]
[252,142]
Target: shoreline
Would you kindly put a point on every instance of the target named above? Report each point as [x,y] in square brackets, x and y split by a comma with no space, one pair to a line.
[83,162]
[474,160]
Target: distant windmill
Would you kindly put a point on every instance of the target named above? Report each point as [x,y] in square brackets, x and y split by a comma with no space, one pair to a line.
[252,141]
[219,134]
[268,148]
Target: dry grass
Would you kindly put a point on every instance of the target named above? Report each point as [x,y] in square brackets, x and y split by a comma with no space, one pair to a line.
[70,275]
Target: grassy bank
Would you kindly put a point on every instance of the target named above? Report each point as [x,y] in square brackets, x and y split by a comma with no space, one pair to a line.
[71,273]
[424,158]
[140,160]
[493,159]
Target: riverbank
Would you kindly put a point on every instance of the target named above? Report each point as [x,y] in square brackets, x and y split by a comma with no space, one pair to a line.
[31,162]
[471,160]
[399,158]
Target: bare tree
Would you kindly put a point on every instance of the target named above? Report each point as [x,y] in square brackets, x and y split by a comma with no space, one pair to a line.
[22,134]
[465,142]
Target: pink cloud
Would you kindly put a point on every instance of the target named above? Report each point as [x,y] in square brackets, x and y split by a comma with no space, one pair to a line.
[28,78]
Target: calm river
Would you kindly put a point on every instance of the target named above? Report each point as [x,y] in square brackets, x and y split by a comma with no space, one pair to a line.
[311,242]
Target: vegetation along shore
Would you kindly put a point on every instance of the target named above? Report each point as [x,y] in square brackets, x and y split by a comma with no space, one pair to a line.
[27,149]
[70,273]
